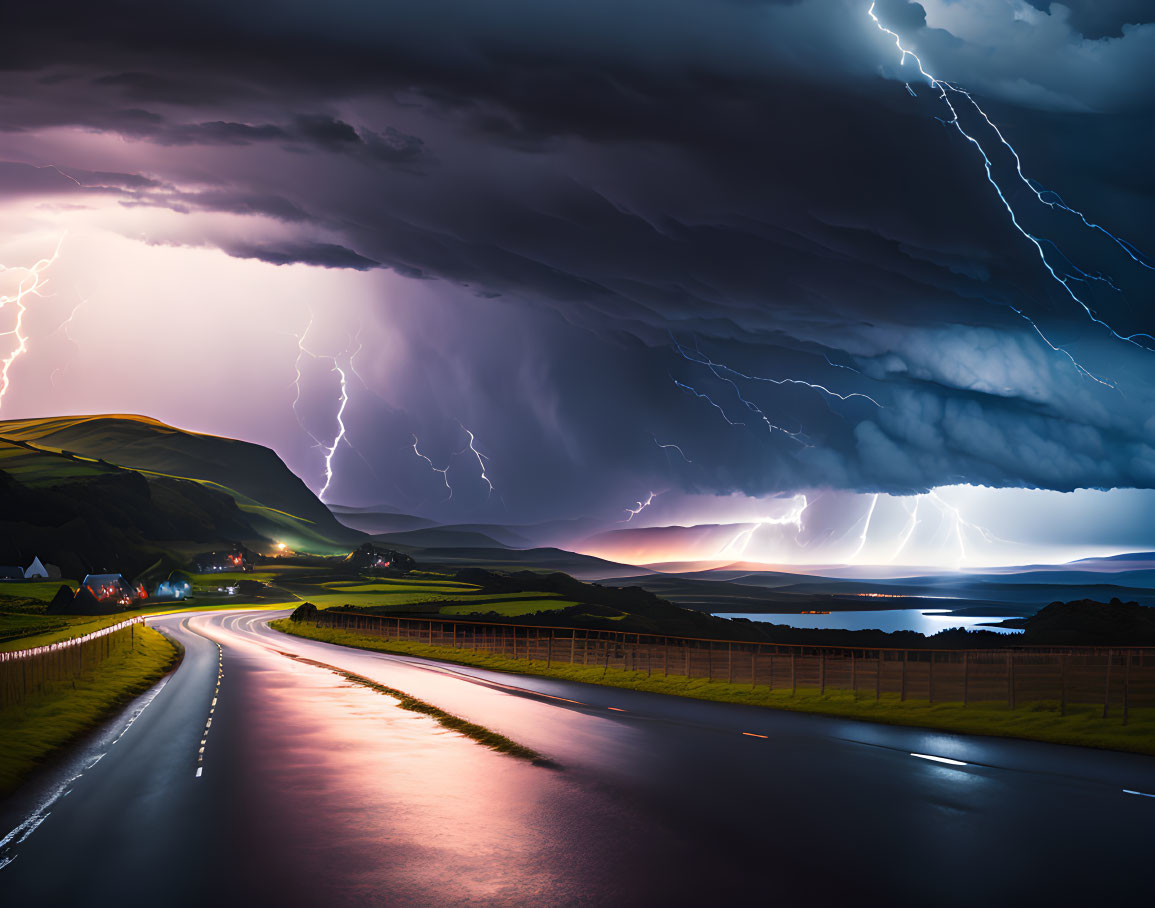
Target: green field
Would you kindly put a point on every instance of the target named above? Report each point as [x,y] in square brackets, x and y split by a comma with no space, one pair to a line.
[224,577]
[507,608]
[44,723]
[40,591]
[1083,725]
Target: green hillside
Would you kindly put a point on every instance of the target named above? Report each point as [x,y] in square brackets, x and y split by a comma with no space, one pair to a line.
[116,492]
[276,500]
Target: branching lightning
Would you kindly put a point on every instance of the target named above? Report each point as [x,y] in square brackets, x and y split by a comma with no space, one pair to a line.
[959,524]
[708,399]
[639,507]
[728,374]
[443,471]
[471,446]
[793,518]
[30,283]
[340,436]
[329,450]
[1064,276]
[482,459]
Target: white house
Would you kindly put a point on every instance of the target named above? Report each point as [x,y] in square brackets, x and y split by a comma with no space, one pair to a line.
[36,570]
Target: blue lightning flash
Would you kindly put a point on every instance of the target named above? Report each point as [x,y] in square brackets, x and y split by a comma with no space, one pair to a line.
[1062,271]
[668,447]
[708,399]
[728,375]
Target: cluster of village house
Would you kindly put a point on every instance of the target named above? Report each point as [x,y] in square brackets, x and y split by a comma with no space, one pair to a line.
[116,589]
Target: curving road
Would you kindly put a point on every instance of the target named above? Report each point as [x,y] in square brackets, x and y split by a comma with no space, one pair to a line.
[251,777]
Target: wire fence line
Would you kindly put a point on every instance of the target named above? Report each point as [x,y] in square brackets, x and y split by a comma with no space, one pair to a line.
[1117,678]
[30,672]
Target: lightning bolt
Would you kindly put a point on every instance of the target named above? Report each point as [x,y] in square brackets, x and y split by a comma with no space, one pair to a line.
[697,356]
[30,283]
[908,531]
[1047,197]
[708,399]
[865,529]
[675,447]
[303,351]
[482,459]
[750,405]
[727,374]
[792,518]
[340,436]
[961,524]
[329,450]
[639,507]
[444,472]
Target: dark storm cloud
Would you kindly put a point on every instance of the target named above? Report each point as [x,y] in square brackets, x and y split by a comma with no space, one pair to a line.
[1101,18]
[323,255]
[739,175]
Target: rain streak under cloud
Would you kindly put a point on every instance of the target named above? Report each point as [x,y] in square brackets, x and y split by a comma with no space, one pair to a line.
[717,255]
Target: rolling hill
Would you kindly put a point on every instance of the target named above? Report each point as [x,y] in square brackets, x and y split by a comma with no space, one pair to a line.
[115,492]
[278,503]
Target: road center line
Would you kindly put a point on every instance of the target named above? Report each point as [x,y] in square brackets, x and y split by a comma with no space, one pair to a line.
[940,759]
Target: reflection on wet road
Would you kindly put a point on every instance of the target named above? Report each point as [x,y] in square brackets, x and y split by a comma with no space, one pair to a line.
[280,782]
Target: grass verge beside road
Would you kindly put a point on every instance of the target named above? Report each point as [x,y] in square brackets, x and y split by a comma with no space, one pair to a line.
[33,730]
[1083,725]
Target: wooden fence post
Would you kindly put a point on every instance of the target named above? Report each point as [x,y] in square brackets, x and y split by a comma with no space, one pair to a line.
[1062,684]
[1126,686]
[1107,685]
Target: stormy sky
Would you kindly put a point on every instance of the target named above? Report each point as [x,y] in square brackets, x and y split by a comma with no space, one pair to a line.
[584,234]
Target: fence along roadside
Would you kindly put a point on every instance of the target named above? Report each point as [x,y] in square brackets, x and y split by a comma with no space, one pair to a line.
[1116,677]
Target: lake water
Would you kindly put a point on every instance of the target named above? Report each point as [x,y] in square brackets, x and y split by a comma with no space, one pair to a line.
[924,621]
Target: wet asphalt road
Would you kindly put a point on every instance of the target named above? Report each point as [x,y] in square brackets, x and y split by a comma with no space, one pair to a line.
[311,790]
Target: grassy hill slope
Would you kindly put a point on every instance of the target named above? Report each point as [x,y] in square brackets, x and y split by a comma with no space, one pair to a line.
[277,502]
[116,492]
